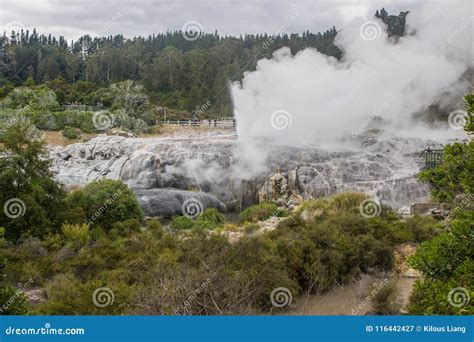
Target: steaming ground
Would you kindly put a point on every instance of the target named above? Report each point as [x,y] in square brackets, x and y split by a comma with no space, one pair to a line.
[314,99]
[204,164]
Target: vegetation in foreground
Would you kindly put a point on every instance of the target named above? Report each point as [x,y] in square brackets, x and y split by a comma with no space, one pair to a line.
[447,261]
[66,245]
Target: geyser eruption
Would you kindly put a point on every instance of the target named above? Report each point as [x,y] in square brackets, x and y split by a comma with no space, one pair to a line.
[312,98]
[308,116]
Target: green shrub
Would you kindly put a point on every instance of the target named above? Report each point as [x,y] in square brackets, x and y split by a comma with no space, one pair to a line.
[182,222]
[76,235]
[126,227]
[70,133]
[210,218]
[431,297]
[258,212]
[386,300]
[422,227]
[105,203]
[446,264]
[12,301]
[440,257]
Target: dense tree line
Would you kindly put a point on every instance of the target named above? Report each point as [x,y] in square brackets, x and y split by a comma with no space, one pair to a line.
[179,73]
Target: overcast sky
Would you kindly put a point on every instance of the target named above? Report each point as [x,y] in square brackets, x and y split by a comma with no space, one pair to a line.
[74,18]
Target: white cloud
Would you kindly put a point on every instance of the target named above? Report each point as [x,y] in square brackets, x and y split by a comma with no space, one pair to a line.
[74,18]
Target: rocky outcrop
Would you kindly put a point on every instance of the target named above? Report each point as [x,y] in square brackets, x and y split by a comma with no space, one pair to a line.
[209,164]
[169,202]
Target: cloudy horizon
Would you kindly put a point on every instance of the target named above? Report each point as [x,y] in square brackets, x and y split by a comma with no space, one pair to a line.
[143,17]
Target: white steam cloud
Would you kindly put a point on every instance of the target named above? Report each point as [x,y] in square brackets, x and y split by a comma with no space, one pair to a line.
[310,98]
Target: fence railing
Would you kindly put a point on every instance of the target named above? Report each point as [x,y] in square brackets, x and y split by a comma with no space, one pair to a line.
[433,158]
[83,108]
[228,122]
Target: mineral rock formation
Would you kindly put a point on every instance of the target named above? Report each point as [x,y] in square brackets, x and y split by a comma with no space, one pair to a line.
[205,166]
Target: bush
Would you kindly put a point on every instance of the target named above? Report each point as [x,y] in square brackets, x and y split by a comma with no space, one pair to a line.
[258,212]
[446,264]
[422,227]
[76,235]
[12,301]
[105,203]
[182,222]
[70,133]
[431,297]
[126,227]
[386,300]
[210,218]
